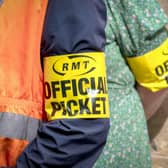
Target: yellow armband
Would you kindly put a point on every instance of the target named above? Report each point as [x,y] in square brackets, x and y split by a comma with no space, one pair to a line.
[151,69]
[75,86]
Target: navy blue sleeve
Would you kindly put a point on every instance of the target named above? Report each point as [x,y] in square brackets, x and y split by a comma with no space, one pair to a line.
[71,26]
[74,26]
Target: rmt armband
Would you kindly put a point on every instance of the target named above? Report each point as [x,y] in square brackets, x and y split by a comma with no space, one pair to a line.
[151,69]
[75,86]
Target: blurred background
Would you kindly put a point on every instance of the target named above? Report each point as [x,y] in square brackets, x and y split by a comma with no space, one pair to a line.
[158,127]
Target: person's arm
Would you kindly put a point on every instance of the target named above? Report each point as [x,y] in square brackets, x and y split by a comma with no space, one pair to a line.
[152,100]
[143,41]
[151,73]
[76,100]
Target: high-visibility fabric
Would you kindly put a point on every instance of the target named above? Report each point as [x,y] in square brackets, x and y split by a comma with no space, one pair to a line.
[21,84]
[71,27]
[151,69]
[21,126]
[75,87]
[10,149]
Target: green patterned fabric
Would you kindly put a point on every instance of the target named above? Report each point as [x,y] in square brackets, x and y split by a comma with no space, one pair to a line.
[134,27]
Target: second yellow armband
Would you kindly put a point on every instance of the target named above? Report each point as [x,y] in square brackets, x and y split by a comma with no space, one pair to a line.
[151,69]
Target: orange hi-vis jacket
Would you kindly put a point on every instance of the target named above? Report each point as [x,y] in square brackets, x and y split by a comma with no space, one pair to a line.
[75,97]
[21,80]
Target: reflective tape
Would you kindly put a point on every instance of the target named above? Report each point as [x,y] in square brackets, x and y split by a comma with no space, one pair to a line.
[18,126]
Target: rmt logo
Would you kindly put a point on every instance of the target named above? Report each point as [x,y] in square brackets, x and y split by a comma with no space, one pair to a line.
[74,65]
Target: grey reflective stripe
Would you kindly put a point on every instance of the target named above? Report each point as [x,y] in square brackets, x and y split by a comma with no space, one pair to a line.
[18,126]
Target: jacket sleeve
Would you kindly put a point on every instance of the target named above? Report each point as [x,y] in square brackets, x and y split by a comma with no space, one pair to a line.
[70,27]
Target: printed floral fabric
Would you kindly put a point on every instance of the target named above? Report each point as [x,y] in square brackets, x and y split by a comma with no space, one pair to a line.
[133,28]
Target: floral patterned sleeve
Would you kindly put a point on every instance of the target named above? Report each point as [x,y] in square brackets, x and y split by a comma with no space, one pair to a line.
[140,25]
[133,28]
